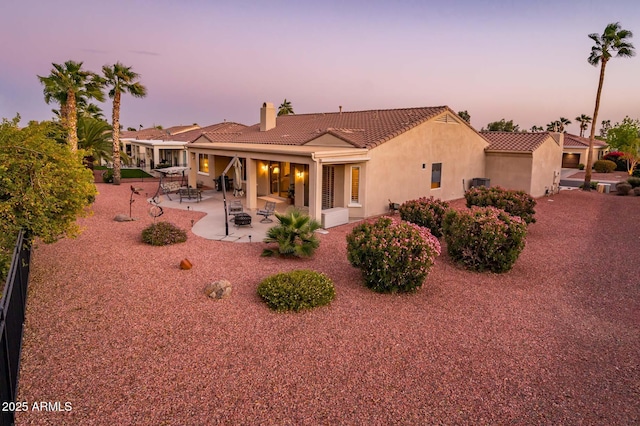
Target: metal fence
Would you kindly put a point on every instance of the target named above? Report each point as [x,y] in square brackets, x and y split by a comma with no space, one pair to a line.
[12,312]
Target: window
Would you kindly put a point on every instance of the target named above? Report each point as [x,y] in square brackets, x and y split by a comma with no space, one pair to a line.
[203,163]
[436,175]
[355,185]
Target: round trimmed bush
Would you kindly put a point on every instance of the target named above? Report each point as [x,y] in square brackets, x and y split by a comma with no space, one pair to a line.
[623,188]
[427,212]
[296,290]
[636,190]
[604,166]
[484,238]
[634,181]
[162,234]
[516,203]
[394,256]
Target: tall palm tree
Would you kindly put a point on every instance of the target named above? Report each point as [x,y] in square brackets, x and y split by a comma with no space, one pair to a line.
[584,121]
[120,79]
[65,85]
[614,40]
[564,122]
[285,108]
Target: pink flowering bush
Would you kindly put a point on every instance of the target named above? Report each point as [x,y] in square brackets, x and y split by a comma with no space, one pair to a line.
[427,212]
[484,238]
[394,256]
[516,203]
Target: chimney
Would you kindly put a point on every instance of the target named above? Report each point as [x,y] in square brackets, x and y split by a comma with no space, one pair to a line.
[267,117]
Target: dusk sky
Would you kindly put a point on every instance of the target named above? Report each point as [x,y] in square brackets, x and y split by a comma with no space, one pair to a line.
[207,61]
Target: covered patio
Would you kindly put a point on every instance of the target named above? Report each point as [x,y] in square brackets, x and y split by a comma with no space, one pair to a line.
[213,227]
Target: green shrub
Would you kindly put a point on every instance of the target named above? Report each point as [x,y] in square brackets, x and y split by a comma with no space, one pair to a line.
[604,166]
[294,235]
[636,190]
[107,176]
[427,212]
[163,234]
[516,203]
[618,158]
[296,290]
[580,166]
[634,181]
[394,256]
[623,188]
[484,238]
[592,184]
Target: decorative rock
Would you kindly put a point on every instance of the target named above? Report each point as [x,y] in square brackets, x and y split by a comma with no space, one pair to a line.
[122,218]
[218,289]
[185,264]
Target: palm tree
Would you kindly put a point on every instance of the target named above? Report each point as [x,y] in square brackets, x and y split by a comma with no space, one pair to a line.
[536,129]
[66,84]
[584,121]
[285,108]
[563,122]
[120,79]
[94,136]
[613,40]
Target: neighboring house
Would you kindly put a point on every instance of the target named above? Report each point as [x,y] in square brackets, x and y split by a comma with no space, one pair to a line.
[149,148]
[575,150]
[348,164]
[530,162]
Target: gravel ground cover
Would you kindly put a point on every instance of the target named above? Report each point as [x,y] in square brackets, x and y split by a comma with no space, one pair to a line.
[118,330]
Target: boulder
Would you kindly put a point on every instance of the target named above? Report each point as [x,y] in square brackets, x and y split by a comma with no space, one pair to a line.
[122,218]
[218,289]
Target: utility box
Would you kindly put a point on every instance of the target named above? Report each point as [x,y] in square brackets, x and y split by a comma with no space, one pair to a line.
[486,182]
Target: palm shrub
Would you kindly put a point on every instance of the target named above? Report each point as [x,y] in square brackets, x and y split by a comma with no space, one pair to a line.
[162,234]
[604,166]
[294,235]
[394,256]
[427,212]
[296,290]
[484,238]
[516,203]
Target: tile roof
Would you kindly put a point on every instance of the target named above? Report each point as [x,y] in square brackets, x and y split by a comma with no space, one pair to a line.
[153,133]
[573,141]
[515,141]
[362,129]
[225,128]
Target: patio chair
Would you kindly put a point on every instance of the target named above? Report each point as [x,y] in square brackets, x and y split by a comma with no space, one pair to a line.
[235,208]
[269,210]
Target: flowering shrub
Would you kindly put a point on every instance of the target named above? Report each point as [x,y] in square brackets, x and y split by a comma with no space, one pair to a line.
[162,234]
[484,238]
[604,166]
[394,256]
[516,203]
[296,290]
[618,158]
[427,212]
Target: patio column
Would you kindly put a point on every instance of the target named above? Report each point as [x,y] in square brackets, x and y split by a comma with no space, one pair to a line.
[315,190]
[193,171]
[156,156]
[251,187]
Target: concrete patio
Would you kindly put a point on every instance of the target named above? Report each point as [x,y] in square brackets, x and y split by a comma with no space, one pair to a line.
[212,226]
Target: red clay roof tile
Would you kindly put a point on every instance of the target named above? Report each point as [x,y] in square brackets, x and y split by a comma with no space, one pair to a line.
[514,141]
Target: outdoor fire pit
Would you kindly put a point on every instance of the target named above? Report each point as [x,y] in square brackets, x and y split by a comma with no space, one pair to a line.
[242,219]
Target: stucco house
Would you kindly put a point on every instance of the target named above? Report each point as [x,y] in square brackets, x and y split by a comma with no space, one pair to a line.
[151,148]
[576,148]
[530,162]
[346,164]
